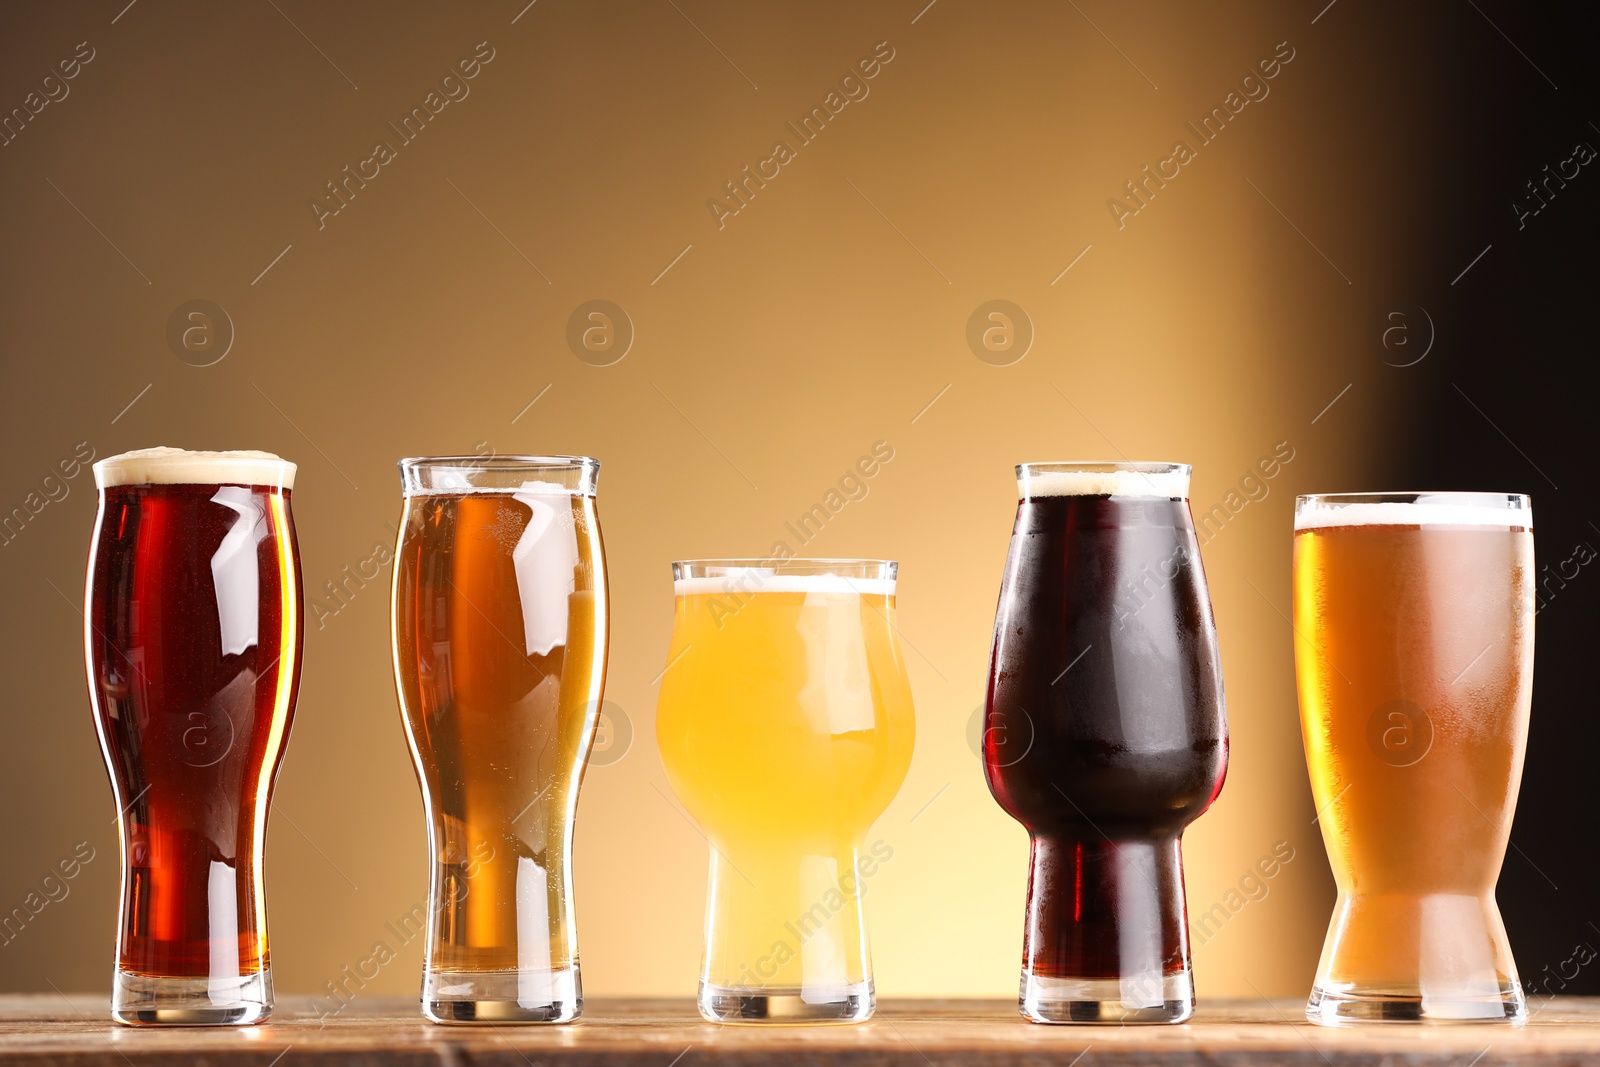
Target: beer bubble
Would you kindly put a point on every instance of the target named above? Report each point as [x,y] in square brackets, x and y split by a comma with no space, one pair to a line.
[1399,733]
[613,735]
[199,332]
[999,332]
[599,332]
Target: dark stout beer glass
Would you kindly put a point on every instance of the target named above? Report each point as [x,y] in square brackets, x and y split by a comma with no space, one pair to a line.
[192,645]
[500,656]
[1105,733]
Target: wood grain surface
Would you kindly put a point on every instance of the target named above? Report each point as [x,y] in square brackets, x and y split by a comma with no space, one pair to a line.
[75,1031]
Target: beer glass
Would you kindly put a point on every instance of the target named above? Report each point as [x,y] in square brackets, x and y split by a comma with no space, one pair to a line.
[1104,733]
[192,633]
[785,727]
[1414,657]
[500,620]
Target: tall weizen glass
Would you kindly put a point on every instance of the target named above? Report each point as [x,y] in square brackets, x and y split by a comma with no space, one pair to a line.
[1414,656]
[1105,733]
[500,624]
[785,726]
[192,635]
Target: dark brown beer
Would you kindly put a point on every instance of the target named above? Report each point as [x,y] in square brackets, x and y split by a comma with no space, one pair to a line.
[193,654]
[1105,736]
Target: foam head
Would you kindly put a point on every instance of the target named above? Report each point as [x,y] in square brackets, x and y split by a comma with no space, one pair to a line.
[1315,514]
[179,466]
[747,581]
[1162,481]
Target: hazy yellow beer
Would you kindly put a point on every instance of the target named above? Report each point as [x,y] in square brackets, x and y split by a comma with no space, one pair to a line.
[1414,656]
[785,726]
[499,654]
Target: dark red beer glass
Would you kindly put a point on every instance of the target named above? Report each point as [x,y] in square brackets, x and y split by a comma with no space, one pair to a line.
[1105,733]
[192,645]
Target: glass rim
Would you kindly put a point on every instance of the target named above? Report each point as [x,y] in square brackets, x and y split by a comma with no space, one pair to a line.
[1102,466]
[741,562]
[1420,498]
[841,567]
[500,462]
[1324,511]
[503,474]
[1130,479]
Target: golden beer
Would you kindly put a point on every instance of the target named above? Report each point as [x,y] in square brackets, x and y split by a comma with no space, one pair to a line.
[1414,657]
[500,652]
[785,725]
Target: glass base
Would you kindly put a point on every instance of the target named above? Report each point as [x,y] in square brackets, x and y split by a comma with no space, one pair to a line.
[835,1004]
[1331,1008]
[502,996]
[147,1000]
[1152,999]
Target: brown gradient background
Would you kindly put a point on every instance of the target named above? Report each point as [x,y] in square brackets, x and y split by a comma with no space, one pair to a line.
[825,317]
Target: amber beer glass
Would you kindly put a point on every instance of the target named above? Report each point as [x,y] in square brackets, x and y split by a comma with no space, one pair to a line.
[785,726]
[1105,733]
[500,617]
[192,647]
[1414,657]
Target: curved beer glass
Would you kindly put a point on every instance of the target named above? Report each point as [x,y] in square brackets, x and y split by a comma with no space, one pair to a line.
[1105,733]
[785,726]
[1414,658]
[500,623]
[192,635]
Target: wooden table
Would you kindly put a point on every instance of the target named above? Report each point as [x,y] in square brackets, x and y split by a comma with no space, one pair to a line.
[55,1031]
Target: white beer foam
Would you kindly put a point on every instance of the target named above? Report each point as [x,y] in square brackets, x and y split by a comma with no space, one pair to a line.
[449,483]
[1325,516]
[748,581]
[1170,485]
[179,466]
